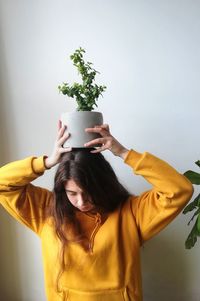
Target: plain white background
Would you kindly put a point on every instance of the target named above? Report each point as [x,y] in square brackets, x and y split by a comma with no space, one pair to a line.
[148,53]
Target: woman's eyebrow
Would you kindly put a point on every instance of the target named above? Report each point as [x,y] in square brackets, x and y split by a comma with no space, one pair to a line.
[68,190]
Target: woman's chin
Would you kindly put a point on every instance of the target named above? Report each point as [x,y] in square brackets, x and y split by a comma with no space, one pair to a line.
[86,209]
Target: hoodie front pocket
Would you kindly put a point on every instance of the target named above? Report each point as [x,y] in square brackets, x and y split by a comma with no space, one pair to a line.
[105,295]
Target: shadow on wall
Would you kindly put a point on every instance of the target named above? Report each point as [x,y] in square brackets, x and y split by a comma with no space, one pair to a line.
[165,270]
[10,285]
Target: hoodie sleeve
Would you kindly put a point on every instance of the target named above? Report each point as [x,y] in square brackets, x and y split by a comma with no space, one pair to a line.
[170,192]
[24,201]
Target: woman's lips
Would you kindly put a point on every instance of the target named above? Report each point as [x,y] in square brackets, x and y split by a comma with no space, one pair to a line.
[86,208]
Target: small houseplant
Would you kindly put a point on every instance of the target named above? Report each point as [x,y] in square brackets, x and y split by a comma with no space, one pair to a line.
[194,206]
[86,95]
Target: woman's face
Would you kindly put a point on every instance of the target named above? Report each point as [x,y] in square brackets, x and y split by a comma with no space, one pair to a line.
[77,197]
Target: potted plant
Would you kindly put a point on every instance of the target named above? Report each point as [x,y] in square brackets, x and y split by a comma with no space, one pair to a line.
[86,95]
[194,178]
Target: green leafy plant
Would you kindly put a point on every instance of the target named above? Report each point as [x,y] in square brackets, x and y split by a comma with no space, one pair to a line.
[87,93]
[194,178]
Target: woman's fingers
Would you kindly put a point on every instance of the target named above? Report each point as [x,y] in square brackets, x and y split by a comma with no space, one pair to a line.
[65,150]
[62,135]
[105,141]
[103,126]
[59,124]
[98,130]
[99,149]
[61,132]
[62,140]
[95,142]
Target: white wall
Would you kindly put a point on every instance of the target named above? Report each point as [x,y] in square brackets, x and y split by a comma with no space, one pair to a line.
[149,58]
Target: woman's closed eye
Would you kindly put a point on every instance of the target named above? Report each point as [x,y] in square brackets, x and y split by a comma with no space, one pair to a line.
[71,193]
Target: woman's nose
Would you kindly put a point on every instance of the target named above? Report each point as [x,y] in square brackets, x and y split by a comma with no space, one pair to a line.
[81,199]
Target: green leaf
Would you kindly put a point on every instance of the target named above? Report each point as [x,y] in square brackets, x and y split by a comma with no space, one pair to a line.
[190,241]
[194,177]
[198,223]
[196,213]
[193,205]
[192,237]
[198,163]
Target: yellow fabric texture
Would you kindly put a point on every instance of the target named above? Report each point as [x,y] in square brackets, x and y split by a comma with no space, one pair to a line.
[108,269]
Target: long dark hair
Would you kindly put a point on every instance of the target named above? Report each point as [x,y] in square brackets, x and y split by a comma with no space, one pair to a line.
[92,173]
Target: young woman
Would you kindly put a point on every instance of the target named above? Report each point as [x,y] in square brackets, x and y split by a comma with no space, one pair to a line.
[90,227]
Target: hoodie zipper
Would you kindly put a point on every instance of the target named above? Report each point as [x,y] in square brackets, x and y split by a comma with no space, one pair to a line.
[97,226]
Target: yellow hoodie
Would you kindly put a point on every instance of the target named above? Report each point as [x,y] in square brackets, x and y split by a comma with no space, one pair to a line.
[109,269]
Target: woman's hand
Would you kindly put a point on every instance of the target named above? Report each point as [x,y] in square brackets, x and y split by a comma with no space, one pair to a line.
[107,141]
[58,149]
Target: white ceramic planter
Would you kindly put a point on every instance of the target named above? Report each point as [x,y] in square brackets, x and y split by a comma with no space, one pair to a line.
[76,123]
